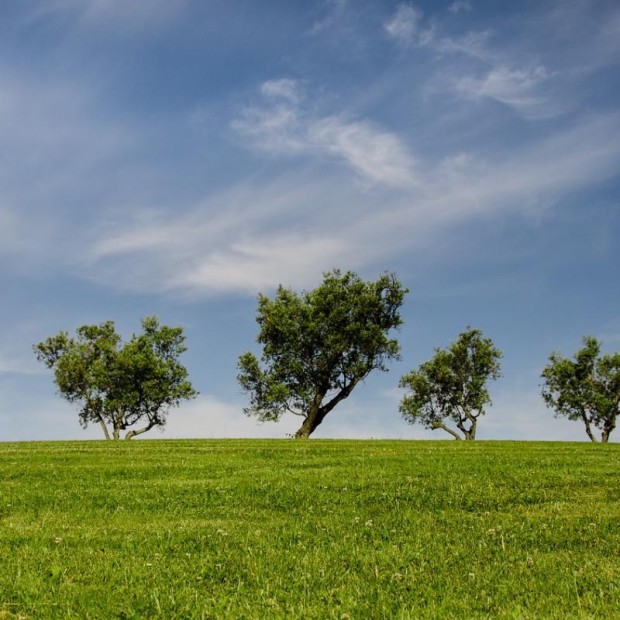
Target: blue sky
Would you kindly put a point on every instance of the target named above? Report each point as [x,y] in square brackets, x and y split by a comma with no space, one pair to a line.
[176,157]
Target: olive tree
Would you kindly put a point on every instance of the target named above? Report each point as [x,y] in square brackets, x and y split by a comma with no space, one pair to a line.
[452,386]
[585,388]
[318,345]
[118,385]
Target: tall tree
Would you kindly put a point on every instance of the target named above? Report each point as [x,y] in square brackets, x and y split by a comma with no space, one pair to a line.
[318,345]
[452,385]
[119,385]
[585,388]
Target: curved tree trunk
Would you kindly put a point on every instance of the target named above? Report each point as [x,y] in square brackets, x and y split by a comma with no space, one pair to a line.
[316,413]
[607,429]
[104,427]
[589,432]
[437,424]
[470,434]
[313,419]
[135,433]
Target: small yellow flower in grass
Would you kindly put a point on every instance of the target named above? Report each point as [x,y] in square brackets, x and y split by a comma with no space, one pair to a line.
[58,540]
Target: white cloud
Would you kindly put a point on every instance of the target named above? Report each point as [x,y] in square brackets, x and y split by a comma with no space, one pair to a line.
[378,156]
[520,88]
[253,265]
[408,29]
[335,11]
[405,23]
[460,6]
[284,88]
[518,414]
[209,417]
[237,241]
[261,234]
[516,88]
[473,44]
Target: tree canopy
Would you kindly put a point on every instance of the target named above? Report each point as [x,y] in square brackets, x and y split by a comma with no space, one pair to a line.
[452,385]
[115,384]
[585,388]
[318,345]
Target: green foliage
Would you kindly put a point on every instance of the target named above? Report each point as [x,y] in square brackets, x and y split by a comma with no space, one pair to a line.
[586,388]
[318,345]
[318,530]
[119,385]
[452,385]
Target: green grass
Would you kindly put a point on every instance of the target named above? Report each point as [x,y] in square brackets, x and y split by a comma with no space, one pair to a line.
[316,529]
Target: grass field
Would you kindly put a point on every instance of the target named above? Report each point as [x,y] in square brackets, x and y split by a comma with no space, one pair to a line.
[315,529]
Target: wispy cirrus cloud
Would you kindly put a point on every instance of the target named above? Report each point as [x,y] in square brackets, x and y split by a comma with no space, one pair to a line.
[460,6]
[334,11]
[281,125]
[408,28]
[405,26]
[493,75]
[284,88]
[516,88]
[239,241]
[312,219]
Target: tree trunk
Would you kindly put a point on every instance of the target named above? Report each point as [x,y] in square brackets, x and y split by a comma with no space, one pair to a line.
[437,424]
[317,414]
[470,435]
[607,428]
[104,427]
[313,419]
[589,432]
[131,434]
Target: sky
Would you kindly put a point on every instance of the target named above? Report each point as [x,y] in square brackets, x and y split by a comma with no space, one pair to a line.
[179,157]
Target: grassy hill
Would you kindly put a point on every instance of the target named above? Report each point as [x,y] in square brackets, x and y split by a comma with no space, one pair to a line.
[316,529]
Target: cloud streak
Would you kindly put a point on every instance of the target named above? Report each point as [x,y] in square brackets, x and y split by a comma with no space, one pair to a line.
[376,155]
[242,241]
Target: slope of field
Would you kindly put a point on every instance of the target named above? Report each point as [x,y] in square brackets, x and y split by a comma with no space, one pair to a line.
[315,529]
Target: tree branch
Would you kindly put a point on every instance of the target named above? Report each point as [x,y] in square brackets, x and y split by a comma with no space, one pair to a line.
[435,424]
[148,427]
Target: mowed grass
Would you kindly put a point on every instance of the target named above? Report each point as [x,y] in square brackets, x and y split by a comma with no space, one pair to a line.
[314,529]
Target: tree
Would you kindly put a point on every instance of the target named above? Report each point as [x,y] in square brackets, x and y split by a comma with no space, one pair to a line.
[318,345]
[452,385]
[119,385]
[586,388]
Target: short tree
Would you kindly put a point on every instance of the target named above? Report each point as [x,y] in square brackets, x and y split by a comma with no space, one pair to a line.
[585,388]
[119,385]
[452,385]
[318,345]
